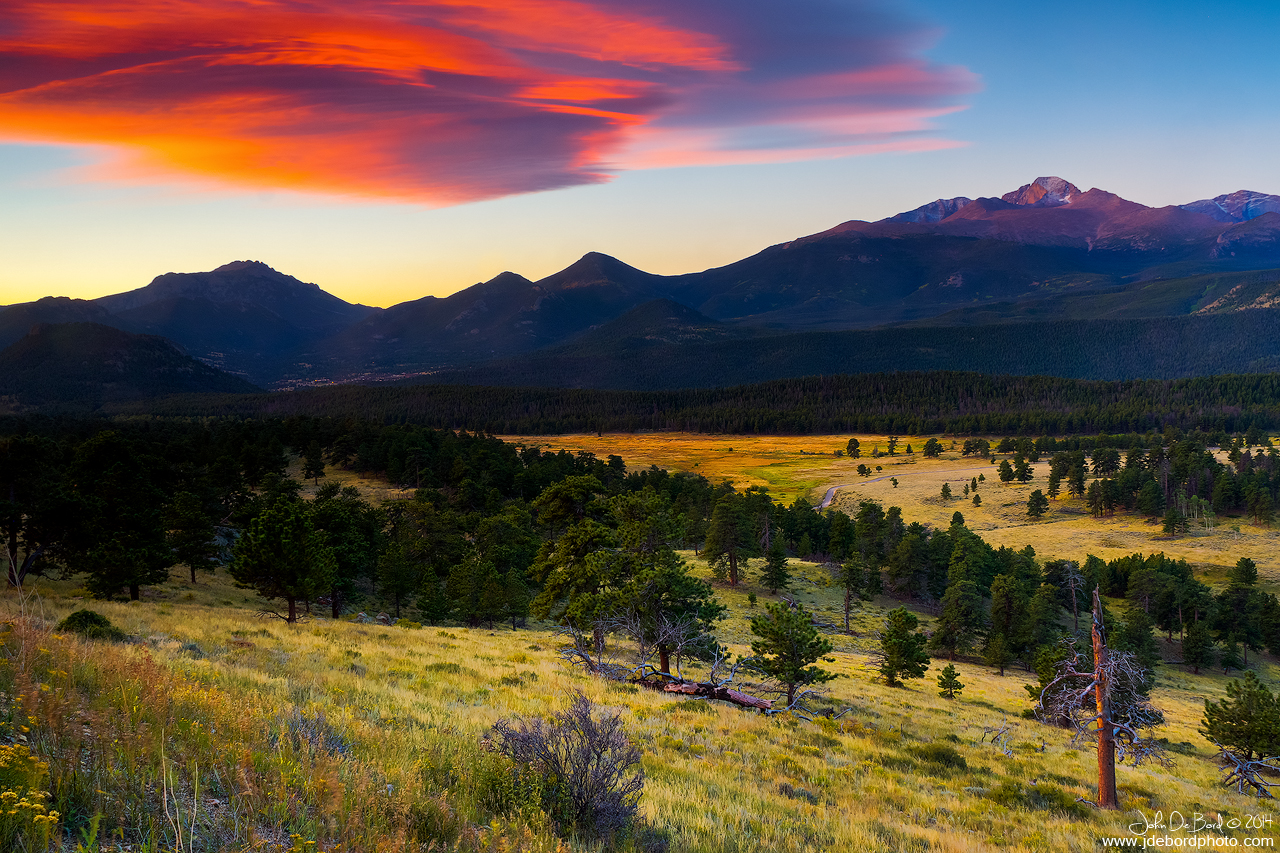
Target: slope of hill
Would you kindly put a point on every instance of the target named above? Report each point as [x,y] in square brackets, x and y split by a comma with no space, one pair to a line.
[1202,294]
[883,403]
[17,320]
[83,365]
[1152,348]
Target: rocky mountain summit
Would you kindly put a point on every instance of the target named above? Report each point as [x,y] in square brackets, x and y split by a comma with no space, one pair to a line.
[1239,206]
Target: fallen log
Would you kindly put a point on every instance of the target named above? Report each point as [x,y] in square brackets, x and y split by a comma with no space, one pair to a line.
[714,691]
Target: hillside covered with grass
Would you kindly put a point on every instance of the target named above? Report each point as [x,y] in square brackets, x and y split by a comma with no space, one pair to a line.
[372,737]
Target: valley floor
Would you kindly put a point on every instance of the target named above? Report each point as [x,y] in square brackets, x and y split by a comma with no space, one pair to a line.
[806,466]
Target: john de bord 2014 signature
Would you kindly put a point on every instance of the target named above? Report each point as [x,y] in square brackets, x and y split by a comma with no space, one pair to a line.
[1176,821]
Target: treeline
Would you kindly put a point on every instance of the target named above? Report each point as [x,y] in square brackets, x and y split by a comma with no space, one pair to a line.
[124,504]
[899,403]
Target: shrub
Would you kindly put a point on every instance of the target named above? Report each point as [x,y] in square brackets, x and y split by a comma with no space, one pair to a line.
[92,625]
[590,769]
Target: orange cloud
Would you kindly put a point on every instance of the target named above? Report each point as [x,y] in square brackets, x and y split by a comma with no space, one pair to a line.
[447,101]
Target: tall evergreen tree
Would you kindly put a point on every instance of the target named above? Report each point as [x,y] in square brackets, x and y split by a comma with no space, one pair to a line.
[191,534]
[729,537]
[787,646]
[1197,647]
[1008,623]
[283,556]
[313,462]
[962,619]
[1247,721]
[852,577]
[775,575]
[119,537]
[902,653]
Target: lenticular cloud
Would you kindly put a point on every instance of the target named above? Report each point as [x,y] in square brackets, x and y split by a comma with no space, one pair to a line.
[458,100]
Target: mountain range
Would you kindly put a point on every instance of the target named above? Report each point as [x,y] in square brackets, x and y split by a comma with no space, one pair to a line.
[1045,252]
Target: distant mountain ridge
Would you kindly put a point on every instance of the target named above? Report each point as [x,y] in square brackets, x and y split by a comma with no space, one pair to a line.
[247,283]
[1240,206]
[1045,250]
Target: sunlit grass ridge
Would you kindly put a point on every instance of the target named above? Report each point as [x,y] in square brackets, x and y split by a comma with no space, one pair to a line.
[223,729]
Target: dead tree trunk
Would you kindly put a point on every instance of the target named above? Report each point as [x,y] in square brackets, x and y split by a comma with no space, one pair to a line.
[1106,735]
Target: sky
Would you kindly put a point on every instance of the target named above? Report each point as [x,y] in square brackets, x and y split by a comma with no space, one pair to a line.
[392,149]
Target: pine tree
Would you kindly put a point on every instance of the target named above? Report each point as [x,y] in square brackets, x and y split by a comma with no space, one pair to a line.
[282,555]
[775,576]
[1247,721]
[1055,483]
[1075,481]
[313,462]
[1197,646]
[946,491]
[729,536]
[997,653]
[1005,471]
[1137,637]
[1042,616]
[851,576]
[1008,621]
[1175,523]
[902,653]
[949,682]
[192,535]
[792,643]
[516,597]
[1037,504]
[961,618]
[1230,657]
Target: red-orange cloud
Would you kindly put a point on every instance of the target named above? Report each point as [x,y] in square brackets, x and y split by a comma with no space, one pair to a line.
[446,101]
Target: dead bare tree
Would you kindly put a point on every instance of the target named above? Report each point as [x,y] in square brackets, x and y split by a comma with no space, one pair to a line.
[590,651]
[1106,703]
[999,737]
[1246,774]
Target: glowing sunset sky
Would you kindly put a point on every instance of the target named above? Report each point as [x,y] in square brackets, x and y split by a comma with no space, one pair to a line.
[387,149]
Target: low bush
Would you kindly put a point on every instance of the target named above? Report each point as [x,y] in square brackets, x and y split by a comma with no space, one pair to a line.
[91,624]
[592,779]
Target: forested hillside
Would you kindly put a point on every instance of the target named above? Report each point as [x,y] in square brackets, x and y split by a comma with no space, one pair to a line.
[80,366]
[656,359]
[902,403]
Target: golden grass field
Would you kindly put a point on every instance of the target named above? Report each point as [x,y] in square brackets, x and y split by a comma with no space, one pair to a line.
[209,687]
[805,466]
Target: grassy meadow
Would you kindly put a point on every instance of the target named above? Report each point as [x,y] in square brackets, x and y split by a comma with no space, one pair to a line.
[213,728]
[806,466]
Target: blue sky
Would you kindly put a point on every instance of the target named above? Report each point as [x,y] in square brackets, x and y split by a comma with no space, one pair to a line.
[1162,103]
